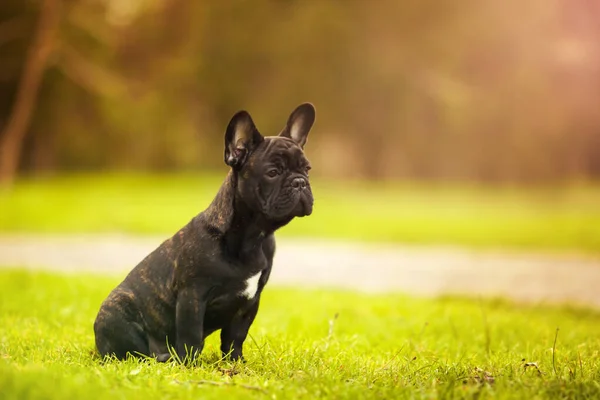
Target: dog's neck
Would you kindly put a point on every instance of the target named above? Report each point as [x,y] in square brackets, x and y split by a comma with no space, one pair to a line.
[219,214]
[228,217]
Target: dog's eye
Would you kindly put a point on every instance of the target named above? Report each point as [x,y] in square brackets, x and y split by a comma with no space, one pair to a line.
[272,173]
[307,168]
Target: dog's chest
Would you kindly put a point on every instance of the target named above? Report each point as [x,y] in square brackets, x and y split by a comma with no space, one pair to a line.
[230,299]
[251,286]
[233,293]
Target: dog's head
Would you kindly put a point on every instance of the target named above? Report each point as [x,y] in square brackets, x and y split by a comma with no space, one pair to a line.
[272,171]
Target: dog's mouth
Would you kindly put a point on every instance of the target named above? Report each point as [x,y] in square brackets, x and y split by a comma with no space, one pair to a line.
[303,204]
[306,205]
[294,204]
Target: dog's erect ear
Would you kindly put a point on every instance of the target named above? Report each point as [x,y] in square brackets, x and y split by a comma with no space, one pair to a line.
[241,138]
[299,124]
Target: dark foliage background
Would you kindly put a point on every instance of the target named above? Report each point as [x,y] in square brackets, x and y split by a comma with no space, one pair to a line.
[486,90]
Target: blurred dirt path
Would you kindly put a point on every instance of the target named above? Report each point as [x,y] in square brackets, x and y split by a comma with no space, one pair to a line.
[417,270]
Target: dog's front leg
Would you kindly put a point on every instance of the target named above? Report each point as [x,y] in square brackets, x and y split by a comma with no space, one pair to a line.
[234,334]
[189,320]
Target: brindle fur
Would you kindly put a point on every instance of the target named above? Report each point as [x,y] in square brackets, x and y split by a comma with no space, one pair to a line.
[191,285]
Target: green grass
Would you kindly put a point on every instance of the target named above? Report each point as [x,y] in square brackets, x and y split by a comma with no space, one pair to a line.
[381,346]
[553,218]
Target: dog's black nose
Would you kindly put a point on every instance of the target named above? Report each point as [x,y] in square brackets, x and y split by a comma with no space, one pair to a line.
[299,183]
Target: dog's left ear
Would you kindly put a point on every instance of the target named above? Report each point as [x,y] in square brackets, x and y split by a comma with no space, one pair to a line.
[299,124]
[241,138]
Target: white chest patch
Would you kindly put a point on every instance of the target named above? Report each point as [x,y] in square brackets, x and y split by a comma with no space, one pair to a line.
[251,286]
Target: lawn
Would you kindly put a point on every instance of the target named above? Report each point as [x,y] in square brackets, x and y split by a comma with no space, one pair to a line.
[561,218]
[379,346]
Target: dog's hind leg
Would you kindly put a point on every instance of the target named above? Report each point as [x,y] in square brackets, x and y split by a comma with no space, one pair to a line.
[121,338]
[118,333]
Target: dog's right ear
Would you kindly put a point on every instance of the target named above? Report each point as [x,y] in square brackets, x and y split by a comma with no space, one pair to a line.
[241,138]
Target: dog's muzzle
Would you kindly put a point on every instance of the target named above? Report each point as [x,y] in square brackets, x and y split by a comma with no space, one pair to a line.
[299,183]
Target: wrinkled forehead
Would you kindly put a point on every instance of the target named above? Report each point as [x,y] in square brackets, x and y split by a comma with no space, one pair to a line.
[275,147]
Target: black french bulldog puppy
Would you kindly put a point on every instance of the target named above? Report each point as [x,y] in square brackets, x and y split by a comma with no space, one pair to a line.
[210,274]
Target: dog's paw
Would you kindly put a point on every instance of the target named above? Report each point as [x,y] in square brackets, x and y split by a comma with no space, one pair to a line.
[233,357]
[164,357]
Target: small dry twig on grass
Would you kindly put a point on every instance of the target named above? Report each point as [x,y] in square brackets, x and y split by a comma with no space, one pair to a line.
[396,354]
[221,383]
[387,364]
[531,365]
[229,371]
[486,328]
[482,376]
[554,351]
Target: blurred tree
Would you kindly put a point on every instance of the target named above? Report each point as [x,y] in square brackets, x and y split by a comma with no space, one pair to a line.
[429,89]
[41,48]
